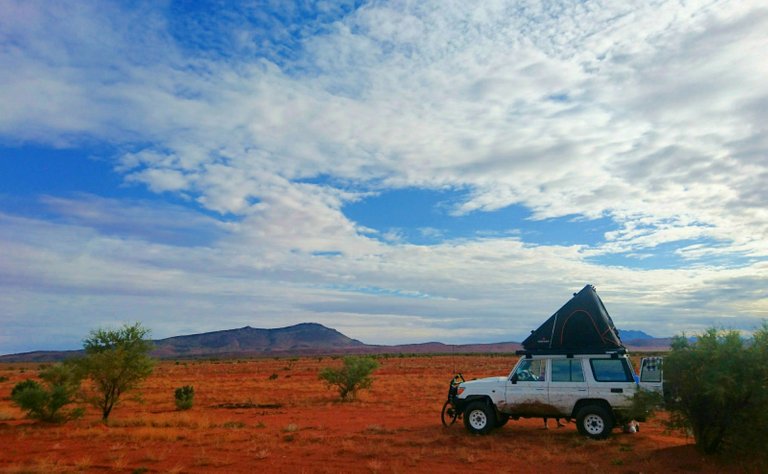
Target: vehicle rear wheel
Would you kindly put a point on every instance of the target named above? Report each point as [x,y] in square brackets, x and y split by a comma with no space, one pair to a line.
[501,419]
[594,421]
[480,417]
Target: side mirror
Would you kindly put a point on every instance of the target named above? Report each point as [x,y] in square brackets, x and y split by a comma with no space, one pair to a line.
[514,378]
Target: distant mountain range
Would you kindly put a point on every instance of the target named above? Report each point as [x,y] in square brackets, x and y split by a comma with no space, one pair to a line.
[630,335]
[308,339]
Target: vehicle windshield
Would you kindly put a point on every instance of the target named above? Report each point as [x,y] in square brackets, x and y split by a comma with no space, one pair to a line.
[531,370]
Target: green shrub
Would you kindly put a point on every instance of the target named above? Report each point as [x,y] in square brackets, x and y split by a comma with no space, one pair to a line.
[28,384]
[184,397]
[117,361]
[717,388]
[46,402]
[354,375]
[644,404]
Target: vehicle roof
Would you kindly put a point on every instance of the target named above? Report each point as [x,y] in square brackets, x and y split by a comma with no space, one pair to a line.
[570,354]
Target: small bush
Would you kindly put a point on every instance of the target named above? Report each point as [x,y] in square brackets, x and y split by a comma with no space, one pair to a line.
[46,402]
[184,397]
[644,404]
[26,385]
[354,375]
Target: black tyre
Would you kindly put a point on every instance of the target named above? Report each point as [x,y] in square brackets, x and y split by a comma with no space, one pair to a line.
[501,419]
[594,421]
[480,417]
[449,414]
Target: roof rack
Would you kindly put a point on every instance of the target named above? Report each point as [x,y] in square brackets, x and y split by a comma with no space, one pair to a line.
[571,352]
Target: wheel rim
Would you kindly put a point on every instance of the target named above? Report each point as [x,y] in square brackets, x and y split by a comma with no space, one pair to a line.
[477,419]
[594,424]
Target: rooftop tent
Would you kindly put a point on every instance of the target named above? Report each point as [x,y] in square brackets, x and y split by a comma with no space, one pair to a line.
[581,325]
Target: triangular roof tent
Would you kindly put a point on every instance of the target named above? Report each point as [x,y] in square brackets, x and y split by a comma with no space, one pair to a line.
[581,325]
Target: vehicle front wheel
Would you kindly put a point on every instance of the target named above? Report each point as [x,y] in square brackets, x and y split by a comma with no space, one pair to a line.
[480,417]
[594,421]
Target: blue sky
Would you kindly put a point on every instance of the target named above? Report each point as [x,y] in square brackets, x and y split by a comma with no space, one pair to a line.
[400,171]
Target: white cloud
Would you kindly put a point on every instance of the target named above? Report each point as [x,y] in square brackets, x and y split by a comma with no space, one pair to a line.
[652,114]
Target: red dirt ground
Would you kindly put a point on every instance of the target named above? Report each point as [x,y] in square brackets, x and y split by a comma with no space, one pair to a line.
[293,423]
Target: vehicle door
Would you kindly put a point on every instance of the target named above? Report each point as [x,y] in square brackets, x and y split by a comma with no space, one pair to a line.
[652,374]
[526,391]
[567,384]
[613,380]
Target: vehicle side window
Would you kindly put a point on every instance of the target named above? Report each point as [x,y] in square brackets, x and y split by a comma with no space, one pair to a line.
[531,370]
[611,370]
[567,370]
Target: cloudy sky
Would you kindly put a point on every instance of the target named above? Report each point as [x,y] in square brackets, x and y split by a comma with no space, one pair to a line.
[401,171]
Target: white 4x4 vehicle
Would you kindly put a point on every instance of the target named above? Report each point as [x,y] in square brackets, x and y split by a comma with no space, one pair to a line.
[595,389]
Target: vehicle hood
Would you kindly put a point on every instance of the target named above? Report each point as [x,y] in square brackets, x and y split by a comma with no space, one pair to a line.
[480,385]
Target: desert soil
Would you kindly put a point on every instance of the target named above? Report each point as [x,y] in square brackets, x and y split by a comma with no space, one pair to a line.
[275,415]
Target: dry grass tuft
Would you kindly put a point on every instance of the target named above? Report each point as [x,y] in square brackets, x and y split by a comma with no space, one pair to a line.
[119,462]
[375,465]
[376,429]
[262,453]
[84,463]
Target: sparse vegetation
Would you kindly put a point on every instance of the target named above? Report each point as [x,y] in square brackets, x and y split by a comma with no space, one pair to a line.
[233,425]
[354,375]
[184,397]
[47,402]
[248,404]
[117,361]
[718,389]
[394,431]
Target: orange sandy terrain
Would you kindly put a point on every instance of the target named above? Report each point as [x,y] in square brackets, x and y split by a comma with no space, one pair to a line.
[245,419]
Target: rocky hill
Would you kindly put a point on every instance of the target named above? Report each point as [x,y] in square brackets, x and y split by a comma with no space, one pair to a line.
[301,338]
[307,339]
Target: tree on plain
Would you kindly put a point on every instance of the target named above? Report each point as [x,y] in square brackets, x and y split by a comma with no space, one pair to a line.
[354,375]
[117,361]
